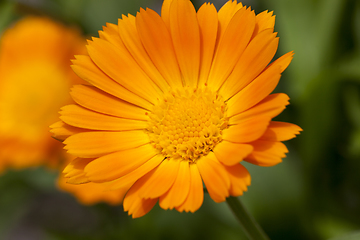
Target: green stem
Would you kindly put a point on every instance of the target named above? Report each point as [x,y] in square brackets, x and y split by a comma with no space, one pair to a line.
[247,222]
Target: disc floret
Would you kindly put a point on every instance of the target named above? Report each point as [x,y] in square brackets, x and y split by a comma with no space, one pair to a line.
[187,124]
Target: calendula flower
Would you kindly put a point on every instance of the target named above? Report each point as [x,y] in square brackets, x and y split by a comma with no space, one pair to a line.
[177,101]
[35,78]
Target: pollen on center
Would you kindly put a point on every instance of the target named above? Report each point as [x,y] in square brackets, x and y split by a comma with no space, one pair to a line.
[187,123]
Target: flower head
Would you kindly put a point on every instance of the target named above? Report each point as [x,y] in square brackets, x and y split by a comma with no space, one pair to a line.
[175,101]
[35,77]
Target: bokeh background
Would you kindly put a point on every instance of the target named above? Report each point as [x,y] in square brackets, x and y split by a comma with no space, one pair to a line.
[313,194]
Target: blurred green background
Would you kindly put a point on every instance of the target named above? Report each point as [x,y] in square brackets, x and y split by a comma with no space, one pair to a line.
[313,194]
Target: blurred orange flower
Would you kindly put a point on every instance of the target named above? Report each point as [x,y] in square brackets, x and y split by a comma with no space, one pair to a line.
[35,77]
[176,101]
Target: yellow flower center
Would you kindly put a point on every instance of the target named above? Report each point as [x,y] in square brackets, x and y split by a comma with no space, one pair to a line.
[187,124]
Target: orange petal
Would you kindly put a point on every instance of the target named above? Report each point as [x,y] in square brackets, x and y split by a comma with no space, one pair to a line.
[131,39]
[165,12]
[78,179]
[61,130]
[266,153]
[85,68]
[94,99]
[195,196]
[75,166]
[239,178]
[133,176]
[180,189]
[77,116]
[230,153]
[254,92]
[252,62]
[136,206]
[231,45]
[215,177]
[264,20]
[118,164]
[226,13]
[280,131]
[92,193]
[158,44]
[159,181]
[119,65]
[208,24]
[110,33]
[74,171]
[97,144]
[184,29]
[283,61]
[247,130]
[271,106]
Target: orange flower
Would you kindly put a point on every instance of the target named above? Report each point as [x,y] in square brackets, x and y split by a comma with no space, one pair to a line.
[176,101]
[35,77]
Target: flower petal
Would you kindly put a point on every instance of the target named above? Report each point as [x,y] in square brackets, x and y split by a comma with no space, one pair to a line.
[266,153]
[264,20]
[208,24]
[230,153]
[215,177]
[118,164]
[271,106]
[96,144]
[254,92]
[131,39]
[110,33]
[231,45]
[77,116]
[159,181]
[180,189]
[247,130]
[78,179]
[165,12]
[92,193]
[94,99]
[85,68]
[133,176]
[119,65]
[136,206]
[281,131]
[252,62]
[226,14]
[158,44]
[184,29]
[76,166]
[283,61]
[74,171]
[239,178]
[61,130]
[195,196]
